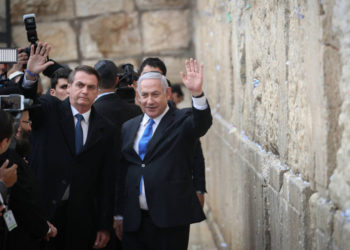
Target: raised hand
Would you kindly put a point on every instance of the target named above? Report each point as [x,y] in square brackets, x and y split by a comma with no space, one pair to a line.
[37,60]
[193,79]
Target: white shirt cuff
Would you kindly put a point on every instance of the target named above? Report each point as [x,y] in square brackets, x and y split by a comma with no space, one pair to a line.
[200,103]
[118,217]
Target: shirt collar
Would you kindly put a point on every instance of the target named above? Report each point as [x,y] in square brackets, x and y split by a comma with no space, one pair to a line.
[86,115]
[156,120]
[103,94]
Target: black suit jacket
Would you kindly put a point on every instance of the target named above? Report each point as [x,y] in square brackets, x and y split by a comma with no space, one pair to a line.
[170,192]
[89,174]
[26,205]
[118,111]
[198,164]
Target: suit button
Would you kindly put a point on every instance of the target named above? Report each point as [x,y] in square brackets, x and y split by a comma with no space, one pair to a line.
[143,165]
[64,182]
[54,202]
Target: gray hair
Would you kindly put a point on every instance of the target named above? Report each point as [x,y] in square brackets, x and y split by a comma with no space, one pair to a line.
[153,75]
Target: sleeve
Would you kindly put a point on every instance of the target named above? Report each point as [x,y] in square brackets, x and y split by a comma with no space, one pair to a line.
[28,88]
[3,189]
[198,172]
[200,102]
[105,188]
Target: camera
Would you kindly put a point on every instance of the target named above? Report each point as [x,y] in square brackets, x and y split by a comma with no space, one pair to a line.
[32,36]
[128,76]
[126,79]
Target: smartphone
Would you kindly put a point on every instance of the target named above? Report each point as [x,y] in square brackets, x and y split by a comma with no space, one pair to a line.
[12,102]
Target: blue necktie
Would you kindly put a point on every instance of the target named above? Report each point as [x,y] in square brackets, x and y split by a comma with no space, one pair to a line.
[78,134]
[146,137]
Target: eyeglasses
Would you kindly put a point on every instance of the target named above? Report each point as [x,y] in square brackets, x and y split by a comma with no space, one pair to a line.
[27,122]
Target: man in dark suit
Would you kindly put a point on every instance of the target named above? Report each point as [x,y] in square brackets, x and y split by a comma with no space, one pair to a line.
[113,108]
[159,199]
[108,103]
[198,165]
[73,158]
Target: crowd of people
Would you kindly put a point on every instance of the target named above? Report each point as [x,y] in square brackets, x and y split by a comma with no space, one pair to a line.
[92,169]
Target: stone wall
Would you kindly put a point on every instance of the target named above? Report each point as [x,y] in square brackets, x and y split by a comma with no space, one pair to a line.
[276,75]
[278,154]
[126,31]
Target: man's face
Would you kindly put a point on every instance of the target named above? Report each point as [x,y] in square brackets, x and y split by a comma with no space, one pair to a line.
[83,91]
[152,97]
[24,122]
[61,90]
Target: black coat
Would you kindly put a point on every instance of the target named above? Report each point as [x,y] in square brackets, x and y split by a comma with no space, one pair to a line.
[89,174]
[198,164]
[167,174]
[118,111]
[27,207]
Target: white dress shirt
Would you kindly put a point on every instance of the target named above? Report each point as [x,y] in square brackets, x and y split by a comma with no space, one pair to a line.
[84,123]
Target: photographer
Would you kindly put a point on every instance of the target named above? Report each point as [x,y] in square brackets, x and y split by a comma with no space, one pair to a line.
[126,86]
[22,199]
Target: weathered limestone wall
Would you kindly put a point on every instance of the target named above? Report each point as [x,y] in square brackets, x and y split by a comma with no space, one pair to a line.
[277,76]
[126,31]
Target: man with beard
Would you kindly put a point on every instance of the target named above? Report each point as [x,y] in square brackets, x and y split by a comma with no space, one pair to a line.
[23,134]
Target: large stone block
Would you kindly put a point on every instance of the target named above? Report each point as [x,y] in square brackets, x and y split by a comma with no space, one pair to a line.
[158,4]
[299,193]
[60,35]
[43,9]
[276,175]
[292,230]
[324,216]
[174,66]
[322,241]
[341,231]
[110,36]
[296,191]
[166,30]
[91,7]
[274,223]
[338,223]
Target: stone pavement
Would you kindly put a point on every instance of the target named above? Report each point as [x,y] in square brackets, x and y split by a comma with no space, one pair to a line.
[201,237]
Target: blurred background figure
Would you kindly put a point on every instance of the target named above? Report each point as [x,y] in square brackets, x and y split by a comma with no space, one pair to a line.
[177,95]
[59,83]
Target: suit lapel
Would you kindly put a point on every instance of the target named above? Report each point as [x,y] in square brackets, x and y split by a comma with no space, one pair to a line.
[159,133]
[96,130]
[132,132]
[67,125]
